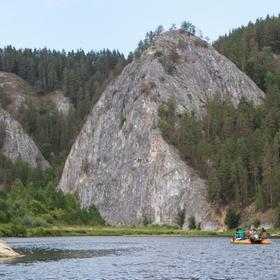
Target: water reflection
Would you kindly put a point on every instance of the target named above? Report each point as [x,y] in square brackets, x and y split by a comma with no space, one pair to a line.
[44,255]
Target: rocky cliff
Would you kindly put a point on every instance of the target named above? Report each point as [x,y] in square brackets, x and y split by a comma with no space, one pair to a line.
[121,163]
[13,91]
[61,102]
[18,144]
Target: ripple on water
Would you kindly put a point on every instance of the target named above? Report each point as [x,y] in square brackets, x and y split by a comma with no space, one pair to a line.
[140,258]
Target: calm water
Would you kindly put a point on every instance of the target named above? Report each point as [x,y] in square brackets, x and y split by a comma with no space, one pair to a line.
[88,258]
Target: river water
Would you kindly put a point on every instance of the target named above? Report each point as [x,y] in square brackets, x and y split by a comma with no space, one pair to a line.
[172,257]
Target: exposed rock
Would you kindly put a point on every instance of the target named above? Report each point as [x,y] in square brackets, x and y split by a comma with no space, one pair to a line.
[6,251]
[121,163]
[18,144]
[15,90]
[61,102]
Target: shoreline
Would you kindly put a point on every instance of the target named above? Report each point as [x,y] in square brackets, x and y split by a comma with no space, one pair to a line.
[75,230]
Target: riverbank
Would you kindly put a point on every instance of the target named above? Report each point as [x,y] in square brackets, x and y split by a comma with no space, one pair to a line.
[64,230]
[8,230]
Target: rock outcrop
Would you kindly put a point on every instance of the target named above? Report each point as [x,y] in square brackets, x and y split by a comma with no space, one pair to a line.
[14,90]
[6,251]
[121,163]
[62,103]
[18,144]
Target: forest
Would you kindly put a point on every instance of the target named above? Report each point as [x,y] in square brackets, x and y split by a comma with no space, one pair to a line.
[237,149]
[82,77]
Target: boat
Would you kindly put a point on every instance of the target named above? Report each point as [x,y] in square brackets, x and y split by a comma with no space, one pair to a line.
[250,242]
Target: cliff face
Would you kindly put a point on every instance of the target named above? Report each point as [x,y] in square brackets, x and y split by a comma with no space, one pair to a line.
[62,103]
[121,163]
[13,91]
[18,144]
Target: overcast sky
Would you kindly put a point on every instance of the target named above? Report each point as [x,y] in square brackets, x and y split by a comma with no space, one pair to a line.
[117,24]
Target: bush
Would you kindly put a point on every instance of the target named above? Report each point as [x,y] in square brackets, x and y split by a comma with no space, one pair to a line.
[31,221]
[257,223]
[146,221]
[232,218]
[191,222]
[12,230]
[180,219]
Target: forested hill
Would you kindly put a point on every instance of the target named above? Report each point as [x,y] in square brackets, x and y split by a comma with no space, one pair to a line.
[75,80]
[80,76]
[255,49]
[237,148]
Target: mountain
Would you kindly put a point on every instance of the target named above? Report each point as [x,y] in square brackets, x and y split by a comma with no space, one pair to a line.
[120,161]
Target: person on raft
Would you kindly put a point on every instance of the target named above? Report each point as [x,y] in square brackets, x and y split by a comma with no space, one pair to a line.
[254,236]
[239,234]
[263,234]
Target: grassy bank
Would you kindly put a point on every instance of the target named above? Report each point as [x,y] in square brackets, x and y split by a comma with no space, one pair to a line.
[8,230]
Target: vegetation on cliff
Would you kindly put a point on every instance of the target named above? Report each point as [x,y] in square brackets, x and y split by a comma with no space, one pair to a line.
[28,196]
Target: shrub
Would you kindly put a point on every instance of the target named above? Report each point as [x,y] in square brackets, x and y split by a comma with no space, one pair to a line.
[191,222]
[232,218]
[180,219]
[146,221]
[257,223]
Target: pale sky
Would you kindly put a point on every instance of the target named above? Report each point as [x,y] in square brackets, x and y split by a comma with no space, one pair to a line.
[117,24]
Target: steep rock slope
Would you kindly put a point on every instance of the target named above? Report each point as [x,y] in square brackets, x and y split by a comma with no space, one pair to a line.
[13,91]
[18,144]
[62,103]
[120,161]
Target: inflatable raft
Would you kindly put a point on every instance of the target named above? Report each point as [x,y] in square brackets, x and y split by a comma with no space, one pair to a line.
[249,242]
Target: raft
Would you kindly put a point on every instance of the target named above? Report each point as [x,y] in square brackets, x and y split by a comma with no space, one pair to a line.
[249,242]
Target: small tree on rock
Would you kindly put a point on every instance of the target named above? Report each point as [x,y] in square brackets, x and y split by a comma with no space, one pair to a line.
[232,218]
[180,219]
[191,222]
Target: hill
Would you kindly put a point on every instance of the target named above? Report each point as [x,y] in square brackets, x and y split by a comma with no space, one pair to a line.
[120,161]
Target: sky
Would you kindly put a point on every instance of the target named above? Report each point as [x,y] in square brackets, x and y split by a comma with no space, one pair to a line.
[117,24]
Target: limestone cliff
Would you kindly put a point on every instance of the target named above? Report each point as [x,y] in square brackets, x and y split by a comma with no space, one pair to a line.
[120,161]
[61,102]
[18,144]
[13,91]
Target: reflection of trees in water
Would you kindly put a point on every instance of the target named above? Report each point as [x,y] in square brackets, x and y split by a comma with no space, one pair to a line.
[41,255]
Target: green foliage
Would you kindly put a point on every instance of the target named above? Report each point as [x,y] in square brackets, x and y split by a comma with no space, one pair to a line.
[189,27]
[146,221]
[40,206]
[12,230]
[180,219]
[82,77]
[232,218]
[148,41]
[257,223]
[252,48]
[191,222]
[235,148]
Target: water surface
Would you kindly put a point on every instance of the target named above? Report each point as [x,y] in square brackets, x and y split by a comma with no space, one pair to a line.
[140,258]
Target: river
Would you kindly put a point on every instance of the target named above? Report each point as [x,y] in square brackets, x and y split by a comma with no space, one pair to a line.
[166,257]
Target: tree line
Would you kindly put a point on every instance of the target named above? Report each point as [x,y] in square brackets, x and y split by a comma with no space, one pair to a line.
[237,149]
[255,49]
